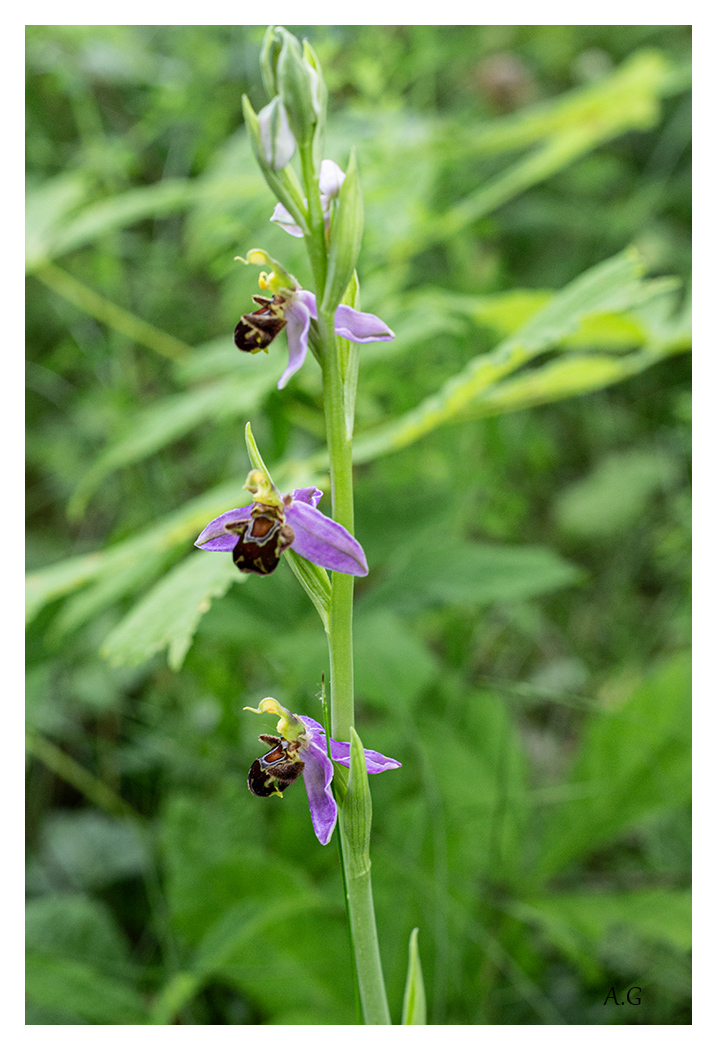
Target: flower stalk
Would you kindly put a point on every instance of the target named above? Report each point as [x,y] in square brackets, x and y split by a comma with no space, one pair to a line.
[354,829]
[329,217]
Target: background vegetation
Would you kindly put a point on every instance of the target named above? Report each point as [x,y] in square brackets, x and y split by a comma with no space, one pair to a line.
[522,635]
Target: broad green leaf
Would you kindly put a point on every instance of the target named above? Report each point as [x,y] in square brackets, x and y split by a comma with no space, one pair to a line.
[167,617]
[93,849]
[173,417]
[74,986]
[76,927]
[627,94]
[627,99]
[565,377]
[610,286]
[181,527]
[109,587]
[414,997]
[634,761]
[393,665]
[112,214]
[616,492]
[471,574]
[46,209]
[656,914]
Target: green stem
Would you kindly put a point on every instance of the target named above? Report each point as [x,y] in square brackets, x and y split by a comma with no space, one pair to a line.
[354,824]
[354,838]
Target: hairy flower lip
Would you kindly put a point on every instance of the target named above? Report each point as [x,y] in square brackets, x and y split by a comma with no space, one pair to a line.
[317,538]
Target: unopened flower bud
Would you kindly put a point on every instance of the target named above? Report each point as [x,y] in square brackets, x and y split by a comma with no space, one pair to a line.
[277,141]
[299,88]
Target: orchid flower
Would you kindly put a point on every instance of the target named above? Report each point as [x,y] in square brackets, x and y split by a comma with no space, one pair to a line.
[258,534]
[301,748]
[331,179]
[293,308]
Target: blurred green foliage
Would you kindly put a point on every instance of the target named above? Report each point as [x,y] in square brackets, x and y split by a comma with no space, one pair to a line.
[521,638]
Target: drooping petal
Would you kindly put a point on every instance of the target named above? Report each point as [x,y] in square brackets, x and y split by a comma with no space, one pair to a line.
[331,178]
[375,761]
[298,319]
[318,774]
[214,536]
[283,217]
[310,495]
[323,541]
[359,327]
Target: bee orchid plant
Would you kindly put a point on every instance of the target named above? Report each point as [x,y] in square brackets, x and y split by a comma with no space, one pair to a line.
[321,204]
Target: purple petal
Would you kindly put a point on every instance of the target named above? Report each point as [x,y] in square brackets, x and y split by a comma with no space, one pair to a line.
[318,774]
[375,761]
[282,217]
[310,495]
[324,542]
[361,328]
[309,301]
[298,319]
[214,536]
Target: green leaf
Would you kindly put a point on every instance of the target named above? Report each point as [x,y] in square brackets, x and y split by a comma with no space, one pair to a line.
[414,997]
[173,417]
[349,360]
[356,812]
[571,127]
[610,286]
[616,492]
[180,527]
[168,616]
[393,665]
[93,849]
[46,210]
[634,761]
[346,234]
[469,573]
[315,581]
[657,915]
[76,927]
[566,377]
[70,985]
[121,211]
